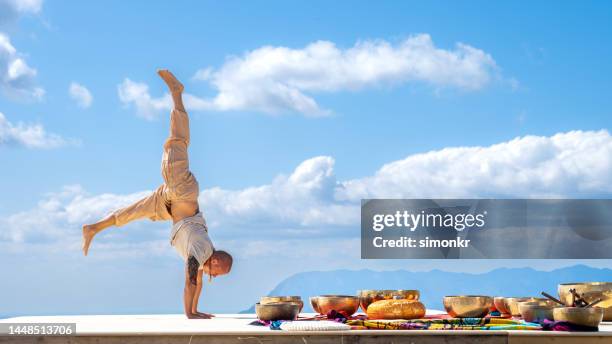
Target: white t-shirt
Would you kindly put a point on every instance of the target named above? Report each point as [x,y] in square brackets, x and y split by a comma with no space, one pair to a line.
[190,238]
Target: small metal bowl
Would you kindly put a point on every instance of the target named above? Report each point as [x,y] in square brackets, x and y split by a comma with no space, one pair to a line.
[511,304]
[314,302]
[366,297]
[591,316]
[500,304]
[277,311]
[536,311]
[590,291]
[290,299]
[345,304]
[468,306]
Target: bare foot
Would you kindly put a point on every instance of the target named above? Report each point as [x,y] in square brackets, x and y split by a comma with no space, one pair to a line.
[174,85]
[88,234]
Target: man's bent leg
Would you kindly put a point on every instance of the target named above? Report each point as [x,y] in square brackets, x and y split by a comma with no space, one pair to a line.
[89,231]
[152,206]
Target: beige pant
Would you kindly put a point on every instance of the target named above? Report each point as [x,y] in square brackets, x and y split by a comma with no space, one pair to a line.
[179,183]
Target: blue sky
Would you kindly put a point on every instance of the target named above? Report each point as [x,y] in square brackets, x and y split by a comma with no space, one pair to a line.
[532,70]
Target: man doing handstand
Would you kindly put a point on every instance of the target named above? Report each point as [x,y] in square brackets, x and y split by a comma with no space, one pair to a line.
[176,199]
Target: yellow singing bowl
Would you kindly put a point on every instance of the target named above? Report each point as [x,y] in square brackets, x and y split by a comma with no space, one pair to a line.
[277,311]
[591,316]
[289,299]
[536,311]
[590,291]
[512,304]
[468,306]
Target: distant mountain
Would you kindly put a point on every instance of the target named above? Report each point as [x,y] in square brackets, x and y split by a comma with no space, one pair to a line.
[435,284]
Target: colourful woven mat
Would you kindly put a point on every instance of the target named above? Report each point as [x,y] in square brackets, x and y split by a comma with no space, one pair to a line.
[446,324]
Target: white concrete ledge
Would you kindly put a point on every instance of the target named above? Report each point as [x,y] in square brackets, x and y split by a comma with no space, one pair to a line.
[235,328]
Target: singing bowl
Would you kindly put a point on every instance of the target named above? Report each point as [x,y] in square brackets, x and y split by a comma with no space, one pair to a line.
[345,304]
[366,297]
[277,311]
[290,299]
[591,316]
[536,311]
[511,304]
[542,301]
[590,291]
[500,304]
[468,306]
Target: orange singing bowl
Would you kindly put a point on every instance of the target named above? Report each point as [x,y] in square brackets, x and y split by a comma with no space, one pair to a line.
[345,304]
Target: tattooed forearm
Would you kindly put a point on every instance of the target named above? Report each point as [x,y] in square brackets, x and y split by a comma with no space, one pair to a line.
[192,268]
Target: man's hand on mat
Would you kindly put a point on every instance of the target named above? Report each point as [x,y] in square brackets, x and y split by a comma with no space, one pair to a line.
[208,315]
[198,315]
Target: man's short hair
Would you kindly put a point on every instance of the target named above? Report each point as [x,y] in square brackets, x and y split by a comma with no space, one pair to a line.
[225,258]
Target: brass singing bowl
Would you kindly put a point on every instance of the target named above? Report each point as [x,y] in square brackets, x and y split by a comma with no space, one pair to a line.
[536,311]
[277,311]
[500,304]
[591,316]
[590,291]
[366,297]
[468,306]
[345,304]
[542,301]
[314,302]
[511,304]
[290,299]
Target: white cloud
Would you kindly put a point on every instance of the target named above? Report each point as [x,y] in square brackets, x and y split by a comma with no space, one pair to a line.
[80,94]
[280,79]
[203,74]
[138,94]
[10,10]
[17,79]
[22,6]
[576,163]
[563,164]
[59,216]
[275,79]
[310,203]
[566,164]
[27,135]
[305,198]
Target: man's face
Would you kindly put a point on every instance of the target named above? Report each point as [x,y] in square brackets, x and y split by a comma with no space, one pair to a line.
[214,268]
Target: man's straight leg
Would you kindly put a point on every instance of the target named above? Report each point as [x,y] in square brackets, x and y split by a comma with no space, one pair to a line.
[179,126]
[175,161]
[180,182]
